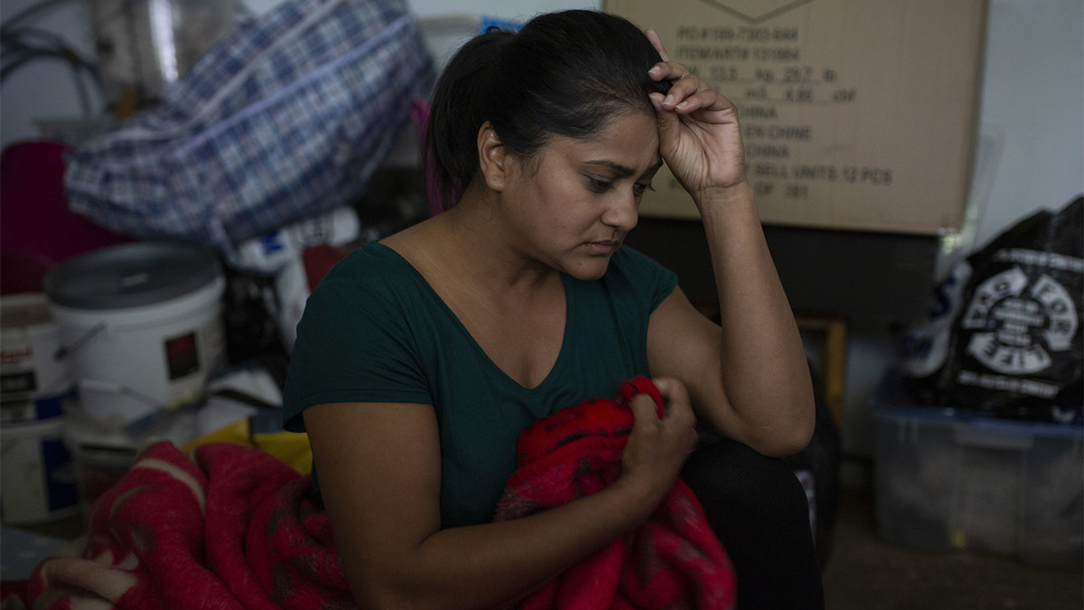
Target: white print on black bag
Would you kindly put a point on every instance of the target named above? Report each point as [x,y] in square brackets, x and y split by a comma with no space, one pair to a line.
[1017,350]
[1019,323]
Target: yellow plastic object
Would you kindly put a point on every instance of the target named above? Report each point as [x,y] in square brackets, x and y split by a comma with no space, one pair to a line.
[290,447]
[958,539]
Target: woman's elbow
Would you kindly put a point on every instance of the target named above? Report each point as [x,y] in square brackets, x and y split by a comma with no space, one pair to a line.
[372,596]
[780,446]
[381,589]
[796,431]
[787,436]
[793,440]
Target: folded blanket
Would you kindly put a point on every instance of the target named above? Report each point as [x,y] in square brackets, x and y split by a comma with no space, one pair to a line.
[230,527]
[673,560]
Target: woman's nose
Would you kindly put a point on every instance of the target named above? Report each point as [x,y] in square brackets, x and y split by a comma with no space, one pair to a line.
[624,211]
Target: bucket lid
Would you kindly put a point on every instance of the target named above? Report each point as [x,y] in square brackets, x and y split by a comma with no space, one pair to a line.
[131,275]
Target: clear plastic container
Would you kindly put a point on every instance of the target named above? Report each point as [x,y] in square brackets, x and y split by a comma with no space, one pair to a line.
[947,479]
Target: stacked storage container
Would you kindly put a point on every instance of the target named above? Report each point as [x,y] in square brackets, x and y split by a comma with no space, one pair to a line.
[950,479]
[37,483]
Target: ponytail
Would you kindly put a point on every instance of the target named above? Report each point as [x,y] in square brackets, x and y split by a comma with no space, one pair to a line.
[459,108]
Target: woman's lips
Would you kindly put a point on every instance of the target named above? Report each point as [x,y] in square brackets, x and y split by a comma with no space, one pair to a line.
[603,247]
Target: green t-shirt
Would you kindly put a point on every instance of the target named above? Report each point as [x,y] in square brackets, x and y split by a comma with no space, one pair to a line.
[375,331]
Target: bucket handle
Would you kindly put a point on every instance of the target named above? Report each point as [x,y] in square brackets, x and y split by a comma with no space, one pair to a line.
[66,350]
[113,387]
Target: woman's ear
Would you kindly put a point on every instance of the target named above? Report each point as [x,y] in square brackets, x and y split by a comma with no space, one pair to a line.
[493,158]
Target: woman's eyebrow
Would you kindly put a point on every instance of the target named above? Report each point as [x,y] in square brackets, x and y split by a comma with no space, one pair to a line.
[623,171]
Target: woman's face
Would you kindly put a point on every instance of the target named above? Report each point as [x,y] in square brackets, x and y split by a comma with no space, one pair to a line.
[573,203]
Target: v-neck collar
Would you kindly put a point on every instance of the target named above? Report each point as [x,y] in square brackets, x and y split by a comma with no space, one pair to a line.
[566,340]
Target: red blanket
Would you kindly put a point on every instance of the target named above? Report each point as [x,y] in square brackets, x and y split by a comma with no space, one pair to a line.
[231,527]
[673,560]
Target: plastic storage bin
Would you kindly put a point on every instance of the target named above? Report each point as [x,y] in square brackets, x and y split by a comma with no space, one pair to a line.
[948,479]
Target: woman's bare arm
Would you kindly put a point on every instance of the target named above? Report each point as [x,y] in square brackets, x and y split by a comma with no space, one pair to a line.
[379,467]
[749,377]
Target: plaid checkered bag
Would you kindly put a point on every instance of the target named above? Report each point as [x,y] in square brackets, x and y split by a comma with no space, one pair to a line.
[285,118]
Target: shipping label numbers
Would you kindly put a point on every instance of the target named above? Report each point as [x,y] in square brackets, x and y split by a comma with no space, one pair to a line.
[795,191]
[798,173]
[880,176]
[800,95]
[796,85]
[769,58]
[790,94]
[728,33]
[762,69]
[790,190]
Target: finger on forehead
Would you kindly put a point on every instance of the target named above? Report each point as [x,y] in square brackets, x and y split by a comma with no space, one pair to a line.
[656,42]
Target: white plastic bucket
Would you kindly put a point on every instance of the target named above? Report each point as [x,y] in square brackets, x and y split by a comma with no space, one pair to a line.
[100,457]
[37,478]
[141,325]
[36,408]
[34,382]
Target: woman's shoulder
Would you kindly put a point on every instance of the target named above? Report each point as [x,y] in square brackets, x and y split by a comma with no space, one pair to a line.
[637,278]
[366,277]
[371,263]
[636,266]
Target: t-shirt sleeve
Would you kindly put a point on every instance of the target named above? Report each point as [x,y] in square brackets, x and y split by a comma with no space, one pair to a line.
[653,282]
[354,344]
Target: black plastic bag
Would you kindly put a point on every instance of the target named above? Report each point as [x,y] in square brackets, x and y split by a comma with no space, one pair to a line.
[1014,348]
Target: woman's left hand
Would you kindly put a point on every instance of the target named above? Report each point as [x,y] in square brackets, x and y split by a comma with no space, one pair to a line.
[699,135]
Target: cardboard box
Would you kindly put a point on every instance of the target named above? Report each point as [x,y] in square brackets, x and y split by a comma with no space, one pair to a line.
[855,115]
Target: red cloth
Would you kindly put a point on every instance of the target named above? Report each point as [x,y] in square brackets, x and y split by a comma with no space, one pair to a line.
[13,594]
[232,527]
[673,560]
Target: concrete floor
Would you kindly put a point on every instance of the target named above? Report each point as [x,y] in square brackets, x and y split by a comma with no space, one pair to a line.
[865,573]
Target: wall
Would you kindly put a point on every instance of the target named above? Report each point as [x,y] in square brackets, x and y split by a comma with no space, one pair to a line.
[1031,146]
[1033,104]
[45,89]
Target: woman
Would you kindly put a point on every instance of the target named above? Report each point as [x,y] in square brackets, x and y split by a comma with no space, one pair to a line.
[422,357]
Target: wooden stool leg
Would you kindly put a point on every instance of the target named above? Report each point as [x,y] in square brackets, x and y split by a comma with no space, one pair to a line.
[833,360]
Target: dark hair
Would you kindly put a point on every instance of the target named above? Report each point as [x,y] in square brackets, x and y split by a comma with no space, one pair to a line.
[565,73]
